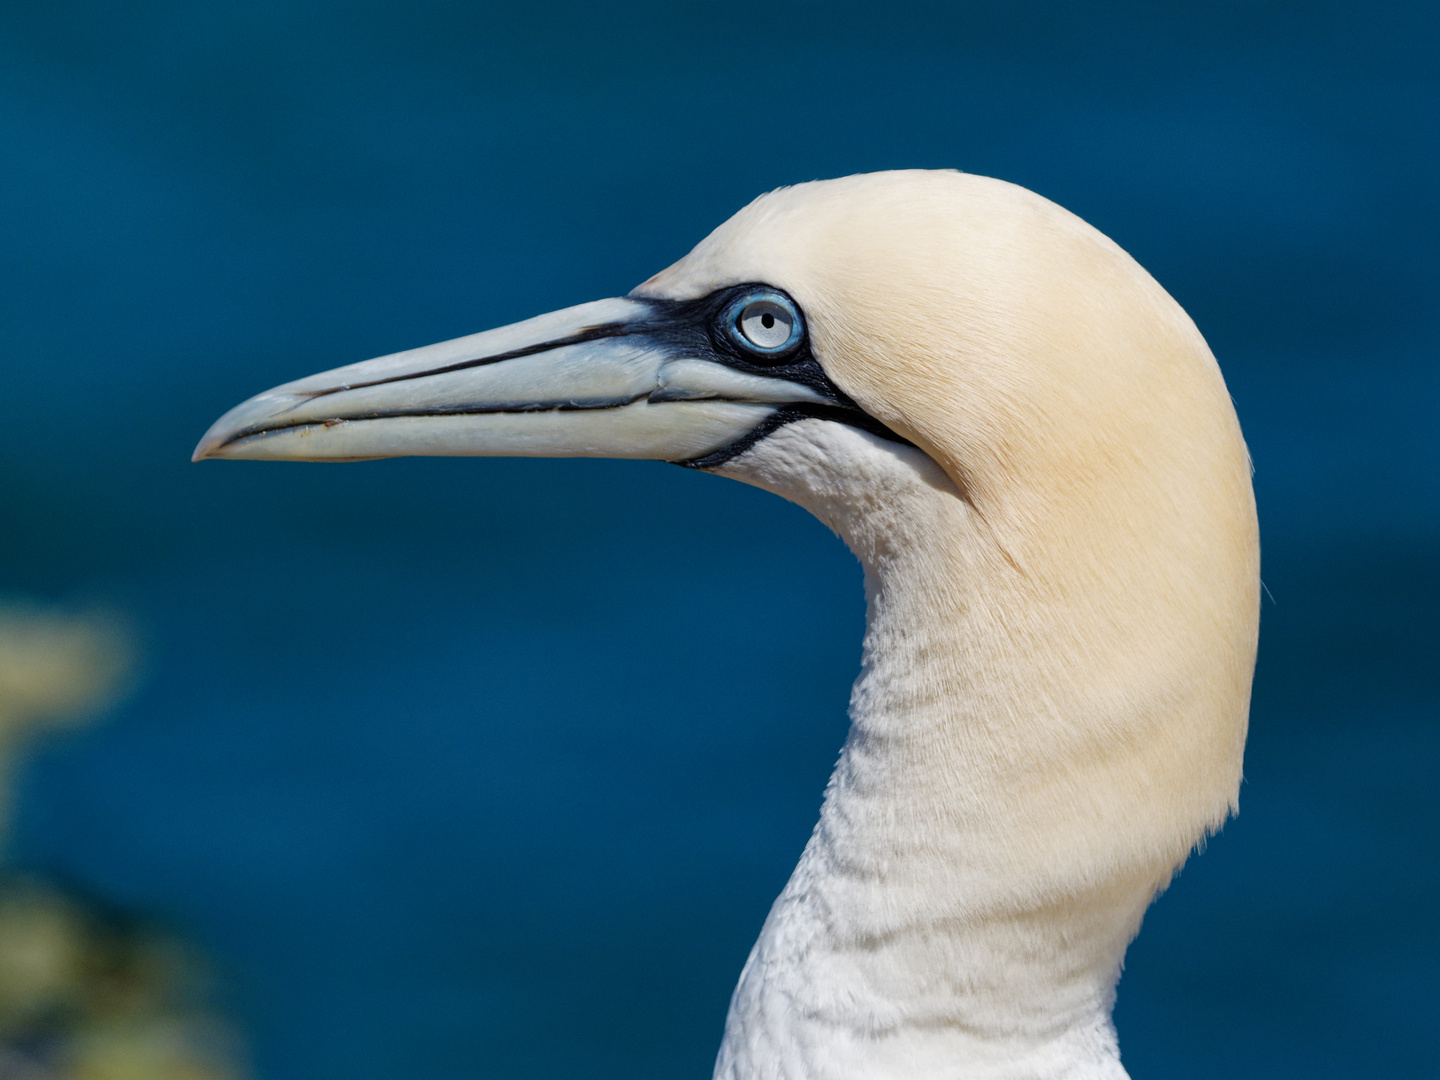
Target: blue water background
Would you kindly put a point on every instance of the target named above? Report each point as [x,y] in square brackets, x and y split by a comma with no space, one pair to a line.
[492,768]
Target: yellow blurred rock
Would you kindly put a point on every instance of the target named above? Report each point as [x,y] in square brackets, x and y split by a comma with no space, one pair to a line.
[155,1048]
[57,667]
[42,956]
[56,670]
[85,995]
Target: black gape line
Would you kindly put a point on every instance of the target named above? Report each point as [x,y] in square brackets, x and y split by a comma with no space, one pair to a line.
[804,410]
[696,328]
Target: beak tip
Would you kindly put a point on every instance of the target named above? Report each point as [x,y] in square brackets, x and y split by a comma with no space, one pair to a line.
[230,428]
[208,446]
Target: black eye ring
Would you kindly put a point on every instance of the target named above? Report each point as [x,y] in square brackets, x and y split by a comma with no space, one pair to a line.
[763,322]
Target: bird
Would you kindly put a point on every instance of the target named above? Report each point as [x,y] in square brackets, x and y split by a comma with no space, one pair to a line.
[1031,450]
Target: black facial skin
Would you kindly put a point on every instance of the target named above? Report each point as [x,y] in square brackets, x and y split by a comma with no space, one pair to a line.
[696,328]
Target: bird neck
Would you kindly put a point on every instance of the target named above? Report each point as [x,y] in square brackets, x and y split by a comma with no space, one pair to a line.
[946,917]
[902,944]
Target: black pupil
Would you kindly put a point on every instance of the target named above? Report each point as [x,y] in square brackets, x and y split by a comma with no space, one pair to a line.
[767,320]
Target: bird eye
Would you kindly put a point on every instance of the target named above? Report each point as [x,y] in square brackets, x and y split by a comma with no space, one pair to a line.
[765,322]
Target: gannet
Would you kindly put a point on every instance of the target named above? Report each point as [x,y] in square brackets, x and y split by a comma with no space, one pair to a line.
[1030,448]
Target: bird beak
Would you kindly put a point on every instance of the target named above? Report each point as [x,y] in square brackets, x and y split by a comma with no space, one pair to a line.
[613,378]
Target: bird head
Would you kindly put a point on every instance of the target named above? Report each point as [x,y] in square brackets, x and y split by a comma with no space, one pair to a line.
[1081,493]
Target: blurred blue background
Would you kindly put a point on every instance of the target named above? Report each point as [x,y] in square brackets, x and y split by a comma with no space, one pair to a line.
[488,768]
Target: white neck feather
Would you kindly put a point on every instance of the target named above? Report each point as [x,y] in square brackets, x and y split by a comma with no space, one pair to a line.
[928,929]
